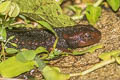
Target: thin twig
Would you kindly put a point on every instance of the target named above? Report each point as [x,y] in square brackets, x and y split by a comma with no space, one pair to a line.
[99,65]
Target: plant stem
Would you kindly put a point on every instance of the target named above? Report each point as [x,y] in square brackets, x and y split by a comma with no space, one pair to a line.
[56,41]
[98,3]
[99,65]
[2,51]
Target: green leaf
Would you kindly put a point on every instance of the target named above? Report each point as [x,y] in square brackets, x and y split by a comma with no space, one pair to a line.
[3,34]
[26,55]
[93,14]
[115,4]
[40,50]
[13,44]
[109,55]
[55,53]
[90,50]
[14,11]
[46,25]
[53,73]
[40,63]
[45,10]
[11,37]
[5,7]
[76,9]
[11,50]
[12,67]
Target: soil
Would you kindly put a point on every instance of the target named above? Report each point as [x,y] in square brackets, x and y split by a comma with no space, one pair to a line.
[109,25]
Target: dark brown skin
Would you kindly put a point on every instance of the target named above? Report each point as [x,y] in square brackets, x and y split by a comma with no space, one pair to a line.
[70,37]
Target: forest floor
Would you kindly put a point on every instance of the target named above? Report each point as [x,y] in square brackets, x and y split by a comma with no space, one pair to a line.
[109,25]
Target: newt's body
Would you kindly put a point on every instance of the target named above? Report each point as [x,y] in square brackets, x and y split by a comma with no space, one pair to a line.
[69,37]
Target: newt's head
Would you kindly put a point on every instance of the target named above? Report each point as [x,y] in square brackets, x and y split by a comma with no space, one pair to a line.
[84,37]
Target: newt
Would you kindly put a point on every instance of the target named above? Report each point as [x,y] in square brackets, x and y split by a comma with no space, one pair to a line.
[72,37]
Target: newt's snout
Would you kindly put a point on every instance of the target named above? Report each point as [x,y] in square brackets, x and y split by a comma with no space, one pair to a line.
[85,37]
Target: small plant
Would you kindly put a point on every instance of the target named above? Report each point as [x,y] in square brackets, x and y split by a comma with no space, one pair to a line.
[92,11]
[8,12]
